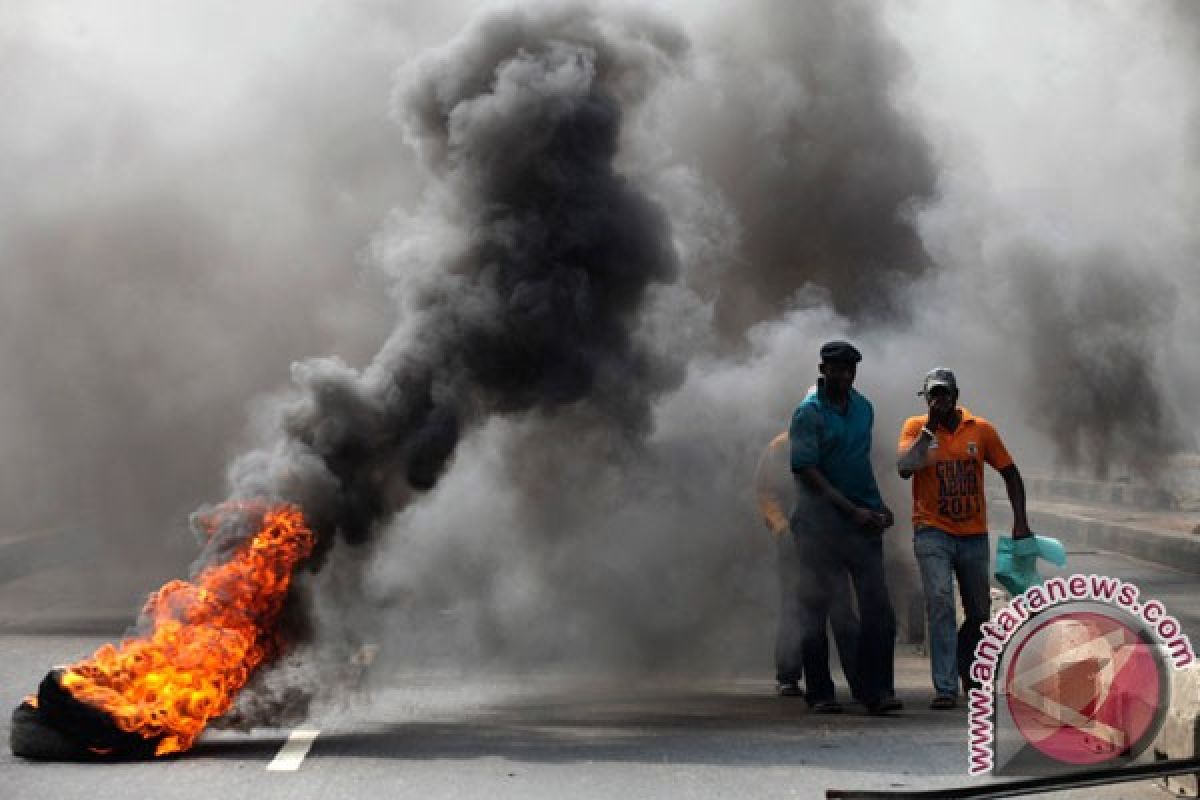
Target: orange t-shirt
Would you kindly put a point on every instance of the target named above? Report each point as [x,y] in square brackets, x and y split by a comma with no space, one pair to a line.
[948,491]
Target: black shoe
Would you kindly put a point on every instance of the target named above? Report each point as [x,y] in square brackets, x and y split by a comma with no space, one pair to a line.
[894,703]
[943,702]
[826,707]
[884,706]
[791,689]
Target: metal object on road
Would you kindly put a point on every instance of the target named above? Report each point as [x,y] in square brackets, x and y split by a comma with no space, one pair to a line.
[1074,780]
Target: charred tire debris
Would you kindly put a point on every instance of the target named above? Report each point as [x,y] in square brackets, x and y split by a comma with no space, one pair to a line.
[61,728]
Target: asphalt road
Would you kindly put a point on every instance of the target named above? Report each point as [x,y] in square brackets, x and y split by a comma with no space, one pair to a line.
[438,735]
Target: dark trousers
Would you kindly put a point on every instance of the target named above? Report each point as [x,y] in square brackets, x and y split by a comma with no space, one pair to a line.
[831,550]
[789,664]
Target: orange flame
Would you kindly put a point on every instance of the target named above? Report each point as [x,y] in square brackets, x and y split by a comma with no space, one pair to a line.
[208,636]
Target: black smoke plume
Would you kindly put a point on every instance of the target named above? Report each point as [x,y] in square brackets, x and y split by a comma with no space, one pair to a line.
[796,125]
[1095,337]
[585,548]
[530,304]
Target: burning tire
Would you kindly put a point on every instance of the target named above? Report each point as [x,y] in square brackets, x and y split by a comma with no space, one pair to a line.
[60,728]
[30,737]
[200,641]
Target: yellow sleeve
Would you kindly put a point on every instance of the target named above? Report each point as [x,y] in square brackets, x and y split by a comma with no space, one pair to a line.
[767,486]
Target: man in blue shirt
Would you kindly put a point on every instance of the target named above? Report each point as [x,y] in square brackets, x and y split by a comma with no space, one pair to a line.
[838,523]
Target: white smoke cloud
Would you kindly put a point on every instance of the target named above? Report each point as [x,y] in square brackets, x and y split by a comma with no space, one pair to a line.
[1067,144]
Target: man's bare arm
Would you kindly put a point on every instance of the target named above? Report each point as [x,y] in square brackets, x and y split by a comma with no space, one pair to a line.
[1015,487]
[771,509]
[914,458]
[864,517]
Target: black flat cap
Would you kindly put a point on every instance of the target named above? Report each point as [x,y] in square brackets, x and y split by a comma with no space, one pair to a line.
[837,350]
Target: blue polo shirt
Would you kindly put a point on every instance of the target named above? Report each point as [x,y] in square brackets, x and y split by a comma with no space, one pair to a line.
[837,444]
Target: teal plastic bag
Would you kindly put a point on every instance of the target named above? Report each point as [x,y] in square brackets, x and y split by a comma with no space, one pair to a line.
[1016,560]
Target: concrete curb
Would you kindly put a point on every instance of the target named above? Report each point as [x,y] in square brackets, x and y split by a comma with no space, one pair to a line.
[1174,549]
[1177,550]
[1125,495]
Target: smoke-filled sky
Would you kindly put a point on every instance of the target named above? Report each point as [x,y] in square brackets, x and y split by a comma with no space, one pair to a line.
[569,266]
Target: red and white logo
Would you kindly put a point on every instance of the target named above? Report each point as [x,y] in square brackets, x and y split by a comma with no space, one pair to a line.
[1085,687]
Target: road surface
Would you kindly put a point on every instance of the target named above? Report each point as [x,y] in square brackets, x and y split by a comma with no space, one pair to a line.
[437,734]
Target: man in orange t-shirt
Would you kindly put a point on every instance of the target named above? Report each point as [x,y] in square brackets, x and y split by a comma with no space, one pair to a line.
[944,452]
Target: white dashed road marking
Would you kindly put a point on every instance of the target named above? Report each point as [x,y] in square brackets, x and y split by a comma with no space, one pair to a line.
[292,754]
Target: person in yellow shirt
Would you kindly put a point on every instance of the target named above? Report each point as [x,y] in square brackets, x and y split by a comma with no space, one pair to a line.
[775,492]
[944,451]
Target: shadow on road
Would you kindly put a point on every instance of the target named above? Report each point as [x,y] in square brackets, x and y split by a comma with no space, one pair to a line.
[719,730]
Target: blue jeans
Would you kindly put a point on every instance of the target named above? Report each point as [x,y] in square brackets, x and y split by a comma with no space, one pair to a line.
[943,557]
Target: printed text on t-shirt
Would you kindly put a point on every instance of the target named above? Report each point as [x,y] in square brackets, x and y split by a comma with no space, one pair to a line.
[958,488]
